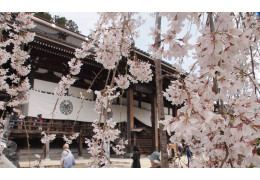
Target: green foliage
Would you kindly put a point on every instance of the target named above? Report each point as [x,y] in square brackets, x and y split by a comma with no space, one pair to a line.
[69,24]
[61,21]
[44,15]
[72,26]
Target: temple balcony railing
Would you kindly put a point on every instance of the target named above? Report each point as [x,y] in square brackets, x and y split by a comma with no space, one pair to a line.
[57,127]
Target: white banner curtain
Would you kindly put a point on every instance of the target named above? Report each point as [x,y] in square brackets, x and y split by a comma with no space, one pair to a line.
[43,103]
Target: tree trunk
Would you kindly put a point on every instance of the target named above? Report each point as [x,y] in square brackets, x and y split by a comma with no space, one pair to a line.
[158,80]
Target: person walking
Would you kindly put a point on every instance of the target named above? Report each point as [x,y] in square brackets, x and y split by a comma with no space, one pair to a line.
[136,158]
[67,159]
[180,149]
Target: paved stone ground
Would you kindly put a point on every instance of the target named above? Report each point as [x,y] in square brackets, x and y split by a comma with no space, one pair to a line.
[81,162]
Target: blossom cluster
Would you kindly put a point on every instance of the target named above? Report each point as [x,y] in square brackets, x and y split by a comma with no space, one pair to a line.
[64,84]
[47,138]
[175,94]
[14,35]
[102,135]
[120,147]
[219,114]
[113,37]
[140,71]
[67,81]
[74,65]
[70,138]
[122,81]
[104,99]
[174,43]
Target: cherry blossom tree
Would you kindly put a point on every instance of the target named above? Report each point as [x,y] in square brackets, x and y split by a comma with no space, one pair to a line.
[112,40]
[219,118]
[14,36]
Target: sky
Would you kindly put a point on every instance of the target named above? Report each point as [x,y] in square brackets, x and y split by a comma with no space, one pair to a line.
[86,21]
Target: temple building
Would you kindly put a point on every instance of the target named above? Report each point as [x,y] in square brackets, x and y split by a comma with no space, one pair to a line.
[135,112]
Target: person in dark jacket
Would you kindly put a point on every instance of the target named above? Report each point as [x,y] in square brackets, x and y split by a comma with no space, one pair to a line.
[136,158]
[189,155]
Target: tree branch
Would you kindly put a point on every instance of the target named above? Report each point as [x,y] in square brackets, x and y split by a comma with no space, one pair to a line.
[225,159]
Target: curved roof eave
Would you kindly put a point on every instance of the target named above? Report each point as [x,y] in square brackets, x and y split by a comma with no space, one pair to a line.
[84,38]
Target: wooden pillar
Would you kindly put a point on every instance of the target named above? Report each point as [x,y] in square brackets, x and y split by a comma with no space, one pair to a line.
[47,150]
[30,120]
[118,101]
[31,75]
[139,94]
[130,102]
[154,122]
[130,118]
[174,111]
[80,144]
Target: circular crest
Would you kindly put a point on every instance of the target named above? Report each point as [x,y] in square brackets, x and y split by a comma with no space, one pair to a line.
[66,107]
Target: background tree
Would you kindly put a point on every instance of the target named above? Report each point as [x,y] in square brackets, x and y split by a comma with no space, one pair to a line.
[61,21]
[69,24]
[44,15]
